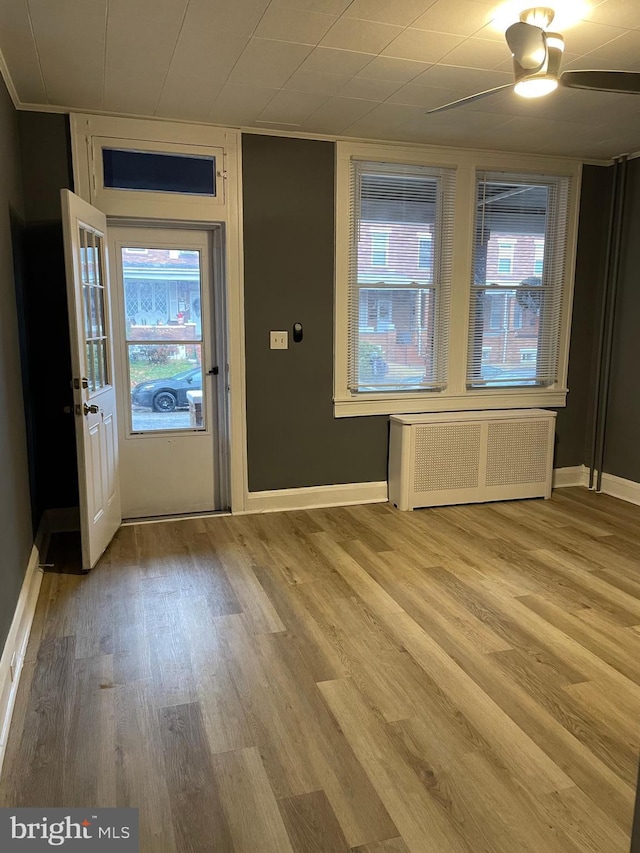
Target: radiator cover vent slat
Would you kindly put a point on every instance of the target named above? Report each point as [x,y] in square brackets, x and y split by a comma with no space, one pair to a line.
[517,452]
[446,457]
[466,457]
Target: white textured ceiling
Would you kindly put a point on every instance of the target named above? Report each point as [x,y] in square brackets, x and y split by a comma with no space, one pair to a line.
[360,68]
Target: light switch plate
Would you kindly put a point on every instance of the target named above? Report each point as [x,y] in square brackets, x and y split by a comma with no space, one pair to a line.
[279,340]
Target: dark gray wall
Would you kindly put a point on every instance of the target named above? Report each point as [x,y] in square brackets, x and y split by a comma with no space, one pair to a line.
[622,440]
[46,168]
[16,533]
[574,423]
[293,438]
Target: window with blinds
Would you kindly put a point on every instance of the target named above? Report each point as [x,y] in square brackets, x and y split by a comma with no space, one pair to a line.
[399,279]
[517,279]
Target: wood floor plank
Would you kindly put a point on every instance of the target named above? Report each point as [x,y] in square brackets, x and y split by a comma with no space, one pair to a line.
[45,728]
[312,825]
[416,814]
[249,804]
[91,741]
[172,674]
[492,702]
[140,777]
[390,571]
[275,729]
[359,810]
[250,594]
[456,679]
[526,760]
[622,658]
[199,821]
[358,579]
[392,845]
[205,575]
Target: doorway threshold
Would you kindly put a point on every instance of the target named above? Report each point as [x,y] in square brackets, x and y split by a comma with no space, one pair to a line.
[158,519]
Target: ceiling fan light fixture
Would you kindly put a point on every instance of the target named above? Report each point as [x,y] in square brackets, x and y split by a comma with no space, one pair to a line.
[536,87]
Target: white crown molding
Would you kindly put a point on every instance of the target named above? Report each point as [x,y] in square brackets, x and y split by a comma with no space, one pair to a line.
[8,82]
[264,131]
[272,131]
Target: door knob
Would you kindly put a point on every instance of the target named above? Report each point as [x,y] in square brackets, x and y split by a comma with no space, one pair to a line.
[90,410]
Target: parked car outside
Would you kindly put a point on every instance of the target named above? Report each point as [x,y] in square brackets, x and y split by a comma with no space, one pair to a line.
[168,394]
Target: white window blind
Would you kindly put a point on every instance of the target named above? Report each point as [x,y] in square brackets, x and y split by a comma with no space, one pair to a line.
[398,320]
[516,306]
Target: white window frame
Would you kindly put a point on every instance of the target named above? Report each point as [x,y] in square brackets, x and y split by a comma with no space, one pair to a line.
[456,397]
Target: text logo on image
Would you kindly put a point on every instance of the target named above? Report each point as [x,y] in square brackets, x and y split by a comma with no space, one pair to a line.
[81,830]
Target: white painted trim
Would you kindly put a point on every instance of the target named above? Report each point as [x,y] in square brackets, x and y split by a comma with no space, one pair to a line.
[267,131]
[618,487]
[456,396]
[315,497]
[434,401]
[578,475]
[16,644]
[85,126]
[8,82]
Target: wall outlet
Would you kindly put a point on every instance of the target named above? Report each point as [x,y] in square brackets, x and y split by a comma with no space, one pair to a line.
[279,340]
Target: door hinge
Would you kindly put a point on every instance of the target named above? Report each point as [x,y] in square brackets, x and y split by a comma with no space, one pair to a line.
[80,383]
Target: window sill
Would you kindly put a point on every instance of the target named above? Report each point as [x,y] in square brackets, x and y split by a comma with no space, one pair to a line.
[471,401]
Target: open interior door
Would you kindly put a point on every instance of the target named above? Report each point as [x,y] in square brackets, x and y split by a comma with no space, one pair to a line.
[85,239]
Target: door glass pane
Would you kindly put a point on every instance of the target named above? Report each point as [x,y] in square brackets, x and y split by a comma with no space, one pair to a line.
[90,366]
[84,275]
[163,328]
[94,317]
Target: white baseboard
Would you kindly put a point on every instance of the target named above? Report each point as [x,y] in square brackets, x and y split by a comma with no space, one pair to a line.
[315,497]
[576,476]
[618,487]
[16,644]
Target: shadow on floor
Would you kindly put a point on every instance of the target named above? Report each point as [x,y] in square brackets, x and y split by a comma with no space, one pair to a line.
[64,555]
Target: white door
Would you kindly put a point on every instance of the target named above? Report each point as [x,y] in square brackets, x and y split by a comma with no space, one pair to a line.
[166,359]
[85,232]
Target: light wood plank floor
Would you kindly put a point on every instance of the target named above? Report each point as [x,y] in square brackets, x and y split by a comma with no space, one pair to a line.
[458,679]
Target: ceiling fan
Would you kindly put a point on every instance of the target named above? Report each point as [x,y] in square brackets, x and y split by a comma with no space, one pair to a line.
[537,55]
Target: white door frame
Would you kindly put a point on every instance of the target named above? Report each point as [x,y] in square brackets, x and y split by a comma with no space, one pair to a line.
[215,351]
[85,129]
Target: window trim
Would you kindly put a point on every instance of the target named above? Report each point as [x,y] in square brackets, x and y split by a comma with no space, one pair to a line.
[456,397]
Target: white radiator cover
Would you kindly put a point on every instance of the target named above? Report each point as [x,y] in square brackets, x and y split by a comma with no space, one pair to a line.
[469,457]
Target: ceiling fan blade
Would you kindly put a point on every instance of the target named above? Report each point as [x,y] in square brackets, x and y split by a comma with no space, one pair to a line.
[625,82]
[468,100]
[528,45]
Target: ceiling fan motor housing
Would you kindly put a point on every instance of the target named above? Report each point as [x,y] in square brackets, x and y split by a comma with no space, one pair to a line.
[548,71]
